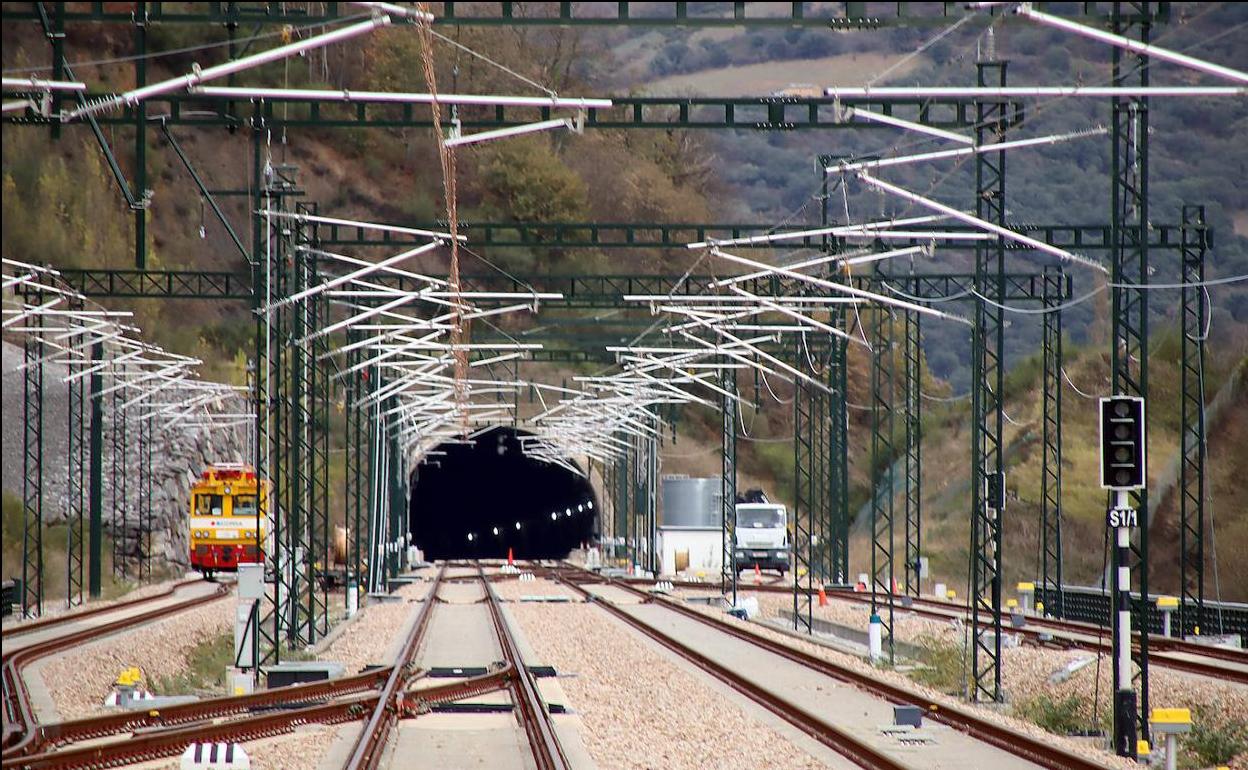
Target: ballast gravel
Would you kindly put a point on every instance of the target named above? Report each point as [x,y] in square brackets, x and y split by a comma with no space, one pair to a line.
[369,637]
[900,680]
[79,680]
[300,750]
[638,709]
[515,590]
[1028,671]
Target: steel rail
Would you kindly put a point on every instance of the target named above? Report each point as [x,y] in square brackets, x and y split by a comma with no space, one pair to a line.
[534,716]
[827,734]
[999,736]
[1161,650]
[157,744]
[26,627]
[372,741]
[90,728]
[934,608]
[19,717]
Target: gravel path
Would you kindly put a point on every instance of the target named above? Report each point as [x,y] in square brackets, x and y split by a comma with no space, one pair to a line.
[80,680]
[855,663]
[369,636]
[1026,670]
[514,590]
[638,709]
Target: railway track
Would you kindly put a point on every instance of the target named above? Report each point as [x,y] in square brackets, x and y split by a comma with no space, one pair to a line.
[380,696]
[370,746]
[157,744]
[1003,738]
[21,733]
[29,626]
[1204,660]
[531,710]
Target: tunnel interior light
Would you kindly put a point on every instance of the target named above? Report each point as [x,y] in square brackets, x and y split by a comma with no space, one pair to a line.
[496,530]
[590,505]
[517,525]
[580,508]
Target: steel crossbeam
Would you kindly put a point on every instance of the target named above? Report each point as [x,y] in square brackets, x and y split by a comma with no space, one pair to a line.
[853,15]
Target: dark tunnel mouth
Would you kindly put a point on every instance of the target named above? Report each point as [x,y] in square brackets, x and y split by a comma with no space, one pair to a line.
[484,489]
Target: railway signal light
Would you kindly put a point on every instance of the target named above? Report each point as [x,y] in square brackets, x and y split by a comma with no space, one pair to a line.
[1122,442]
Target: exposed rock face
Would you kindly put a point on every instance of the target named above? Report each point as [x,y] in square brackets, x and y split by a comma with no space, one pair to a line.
[179,455]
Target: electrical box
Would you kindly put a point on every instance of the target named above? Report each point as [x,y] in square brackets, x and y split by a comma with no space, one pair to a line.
[250,582]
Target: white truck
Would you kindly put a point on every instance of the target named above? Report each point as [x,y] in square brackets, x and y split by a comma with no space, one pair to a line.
[761,537]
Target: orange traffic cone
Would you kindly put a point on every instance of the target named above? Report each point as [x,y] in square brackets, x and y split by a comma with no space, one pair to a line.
[823,597]
[758,575]
[510,561]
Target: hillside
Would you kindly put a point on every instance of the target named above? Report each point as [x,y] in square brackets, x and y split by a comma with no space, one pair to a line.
[393,175]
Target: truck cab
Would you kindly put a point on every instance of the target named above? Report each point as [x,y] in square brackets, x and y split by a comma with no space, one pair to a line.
[761,537]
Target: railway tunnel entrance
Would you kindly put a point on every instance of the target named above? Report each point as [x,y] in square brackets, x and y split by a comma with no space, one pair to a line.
[477,500]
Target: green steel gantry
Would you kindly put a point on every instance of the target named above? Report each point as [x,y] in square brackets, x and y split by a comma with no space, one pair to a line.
[292,388]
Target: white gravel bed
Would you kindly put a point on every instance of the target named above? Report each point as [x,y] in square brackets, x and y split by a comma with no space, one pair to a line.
[514,590]
[367,639]
[301,750]
[1026,670]
[79,681]
[638,709]
[900,680]
[853,615]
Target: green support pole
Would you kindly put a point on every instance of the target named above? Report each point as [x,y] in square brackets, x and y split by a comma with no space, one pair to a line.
[914,448]
[32,470]
[1129,354]
[95,545]
[56,35]
[882,530]
[805,411]
[728,482]
[75,488]
[1192,407]
[140,138]
[1051,468]
[988,468]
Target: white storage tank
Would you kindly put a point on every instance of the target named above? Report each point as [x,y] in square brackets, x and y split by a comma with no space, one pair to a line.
[690,526]
[689,502]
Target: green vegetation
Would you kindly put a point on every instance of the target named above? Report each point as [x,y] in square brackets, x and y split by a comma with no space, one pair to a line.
[205,671]
[942,666]
[1215,739]
[55,561]
[1062,716]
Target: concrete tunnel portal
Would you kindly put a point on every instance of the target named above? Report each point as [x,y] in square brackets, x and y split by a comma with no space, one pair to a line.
[478,499]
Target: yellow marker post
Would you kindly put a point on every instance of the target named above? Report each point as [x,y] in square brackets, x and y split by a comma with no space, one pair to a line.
[1171,723]
[1167,605]
[1027,590]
